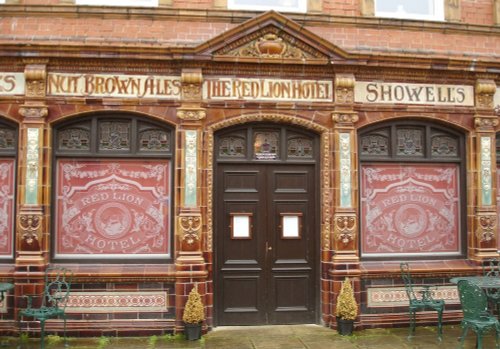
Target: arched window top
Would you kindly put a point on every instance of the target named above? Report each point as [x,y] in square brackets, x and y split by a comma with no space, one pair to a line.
[267,142]
[8,139]
[410,141]
[114,134]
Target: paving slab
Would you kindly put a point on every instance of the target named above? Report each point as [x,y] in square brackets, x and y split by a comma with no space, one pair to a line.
[272,337]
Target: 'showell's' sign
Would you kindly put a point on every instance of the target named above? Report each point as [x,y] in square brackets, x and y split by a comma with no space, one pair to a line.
[12,84]
[390,93]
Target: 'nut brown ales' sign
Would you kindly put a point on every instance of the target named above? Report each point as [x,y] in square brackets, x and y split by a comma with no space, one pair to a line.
[113,208]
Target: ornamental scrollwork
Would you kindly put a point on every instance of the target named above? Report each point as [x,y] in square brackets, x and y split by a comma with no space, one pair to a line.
[485,92]
[345,118]
[192,80]
[191,114]
[35,76]
[33,112]
[345,228]
[29,225]
[486,228]
[190,230]
[344,88]
[485,122]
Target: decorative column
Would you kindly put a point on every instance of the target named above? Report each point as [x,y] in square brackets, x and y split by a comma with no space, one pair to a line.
[32,238]
[345,260]
[190,262]
[345,222]
[484,242]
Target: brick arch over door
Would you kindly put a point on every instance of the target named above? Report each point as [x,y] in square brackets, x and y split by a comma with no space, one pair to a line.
[325,166]
[412,190]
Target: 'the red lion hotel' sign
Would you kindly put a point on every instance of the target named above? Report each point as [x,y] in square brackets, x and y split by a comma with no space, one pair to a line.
[6,207]
[410,209]
[113,208]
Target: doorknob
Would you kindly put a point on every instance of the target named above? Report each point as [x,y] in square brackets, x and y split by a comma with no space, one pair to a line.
[269,248]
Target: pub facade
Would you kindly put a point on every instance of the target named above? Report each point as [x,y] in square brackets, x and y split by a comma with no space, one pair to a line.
[261,157]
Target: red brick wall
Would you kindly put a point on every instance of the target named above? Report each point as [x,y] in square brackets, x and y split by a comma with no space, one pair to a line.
[477,12]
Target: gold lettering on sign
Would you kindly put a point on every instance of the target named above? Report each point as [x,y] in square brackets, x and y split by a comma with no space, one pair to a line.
[380,92]
[267,89]
[100,85]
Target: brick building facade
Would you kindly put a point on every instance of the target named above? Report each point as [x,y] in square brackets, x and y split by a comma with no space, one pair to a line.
[262,156]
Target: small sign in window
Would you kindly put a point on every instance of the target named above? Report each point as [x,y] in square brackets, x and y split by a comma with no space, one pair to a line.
[241,226]
[291,225]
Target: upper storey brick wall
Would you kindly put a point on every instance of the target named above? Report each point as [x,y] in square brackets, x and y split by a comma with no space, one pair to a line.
[482,12]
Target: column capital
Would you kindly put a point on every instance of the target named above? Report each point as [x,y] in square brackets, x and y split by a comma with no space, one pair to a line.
[344,88]
[485,91]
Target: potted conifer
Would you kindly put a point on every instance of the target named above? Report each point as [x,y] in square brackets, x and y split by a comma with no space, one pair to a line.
[194,314]
[347,309]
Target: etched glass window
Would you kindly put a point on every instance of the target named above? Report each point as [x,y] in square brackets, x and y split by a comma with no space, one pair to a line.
[410,142]
[153,139]
[232,146]
[74,138]
[299,147]
[266,145]
[7,138]
[375,143]
[444,146]
[114,135]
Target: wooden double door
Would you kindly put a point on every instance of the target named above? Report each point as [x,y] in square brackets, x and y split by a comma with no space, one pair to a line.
[266,244]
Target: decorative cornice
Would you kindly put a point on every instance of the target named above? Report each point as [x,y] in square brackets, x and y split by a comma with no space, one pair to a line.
[33,111]
[485,123]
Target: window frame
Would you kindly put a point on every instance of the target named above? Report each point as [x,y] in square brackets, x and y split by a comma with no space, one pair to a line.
[438,13]
[118,3]
[300,8]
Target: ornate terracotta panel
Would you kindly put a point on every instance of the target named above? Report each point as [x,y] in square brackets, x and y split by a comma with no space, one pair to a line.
[113,208]
[7,179]
[410,209]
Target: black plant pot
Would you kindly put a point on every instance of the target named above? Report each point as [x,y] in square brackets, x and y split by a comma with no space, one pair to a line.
[192,331]
[345,327]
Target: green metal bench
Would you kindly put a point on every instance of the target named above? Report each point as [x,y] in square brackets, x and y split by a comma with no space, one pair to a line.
[52,301]
[476,316]
[424,301]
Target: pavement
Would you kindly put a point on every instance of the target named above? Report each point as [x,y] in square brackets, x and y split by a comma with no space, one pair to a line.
[270,337]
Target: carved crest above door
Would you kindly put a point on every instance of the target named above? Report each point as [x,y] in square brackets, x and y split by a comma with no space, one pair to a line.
[271,38]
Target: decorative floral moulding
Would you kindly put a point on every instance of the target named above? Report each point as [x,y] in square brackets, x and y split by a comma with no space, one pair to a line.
[7,172]
[410,209]
[113,209]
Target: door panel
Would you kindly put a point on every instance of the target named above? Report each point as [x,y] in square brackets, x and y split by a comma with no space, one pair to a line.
[269,276]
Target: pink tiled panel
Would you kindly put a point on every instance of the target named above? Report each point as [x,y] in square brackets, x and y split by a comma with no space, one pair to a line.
[410,209]
[112,207]
[7,173]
